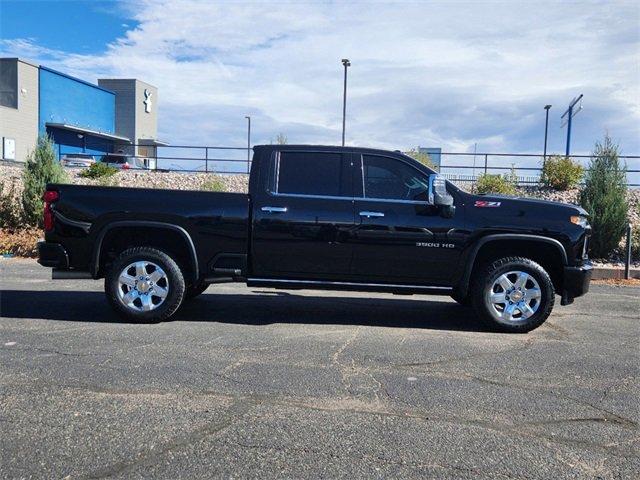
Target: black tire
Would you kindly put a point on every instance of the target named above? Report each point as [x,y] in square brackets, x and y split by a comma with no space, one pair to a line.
[482,287]
[464,301]
[193,291]
[173,280]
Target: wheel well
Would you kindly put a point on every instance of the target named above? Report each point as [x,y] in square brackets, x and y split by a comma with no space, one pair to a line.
[545,254]
[172,242]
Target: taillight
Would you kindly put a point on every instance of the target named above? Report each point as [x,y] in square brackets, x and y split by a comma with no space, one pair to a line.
[49,197]
[125,166]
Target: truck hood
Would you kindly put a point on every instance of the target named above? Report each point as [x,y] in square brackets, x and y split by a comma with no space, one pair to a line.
[527,203]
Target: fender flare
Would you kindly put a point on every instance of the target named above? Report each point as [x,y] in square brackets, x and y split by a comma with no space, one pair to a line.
[469,264]
[97,249]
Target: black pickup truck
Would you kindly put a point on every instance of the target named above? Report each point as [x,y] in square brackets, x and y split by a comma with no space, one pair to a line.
[322,217]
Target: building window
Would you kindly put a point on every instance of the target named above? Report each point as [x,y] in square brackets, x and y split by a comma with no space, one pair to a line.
[9,84]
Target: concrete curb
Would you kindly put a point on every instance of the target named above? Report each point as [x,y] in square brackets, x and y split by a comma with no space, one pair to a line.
[605,273]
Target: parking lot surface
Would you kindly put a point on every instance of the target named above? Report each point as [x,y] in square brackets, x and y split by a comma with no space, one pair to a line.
[260,383]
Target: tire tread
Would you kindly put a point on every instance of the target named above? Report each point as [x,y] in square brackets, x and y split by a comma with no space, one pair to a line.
[478,285]
[164,311]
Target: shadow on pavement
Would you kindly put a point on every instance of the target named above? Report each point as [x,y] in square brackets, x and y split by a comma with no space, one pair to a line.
[260,308]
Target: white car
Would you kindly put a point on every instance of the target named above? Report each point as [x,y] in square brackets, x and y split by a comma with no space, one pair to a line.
[125,162]
[83,160]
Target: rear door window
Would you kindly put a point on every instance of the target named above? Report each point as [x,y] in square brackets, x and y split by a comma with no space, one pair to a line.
[312,173]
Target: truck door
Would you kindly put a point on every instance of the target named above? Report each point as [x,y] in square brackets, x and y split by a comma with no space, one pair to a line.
[303,216]
[398,236]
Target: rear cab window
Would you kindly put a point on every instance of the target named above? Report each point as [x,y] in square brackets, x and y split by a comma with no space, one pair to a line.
[311,174]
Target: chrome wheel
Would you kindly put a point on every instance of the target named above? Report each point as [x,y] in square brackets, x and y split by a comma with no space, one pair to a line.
[514,297]
[142,286]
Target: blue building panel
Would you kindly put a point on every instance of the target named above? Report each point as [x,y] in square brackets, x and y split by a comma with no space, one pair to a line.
[68,100]
[71,101]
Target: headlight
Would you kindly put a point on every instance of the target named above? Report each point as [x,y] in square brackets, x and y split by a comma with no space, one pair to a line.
[579,220]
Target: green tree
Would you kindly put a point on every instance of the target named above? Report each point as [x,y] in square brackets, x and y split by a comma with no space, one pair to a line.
[605,198]
[422,157]
[41,168]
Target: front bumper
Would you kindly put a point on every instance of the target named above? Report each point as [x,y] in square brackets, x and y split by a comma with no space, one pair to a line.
[576,282]
[52,255]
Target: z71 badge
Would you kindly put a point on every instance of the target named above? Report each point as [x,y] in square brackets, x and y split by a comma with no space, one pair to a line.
[486,204]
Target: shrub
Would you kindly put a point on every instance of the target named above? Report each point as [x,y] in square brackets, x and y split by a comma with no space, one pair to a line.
[213,184]
[422,157]
[22,242]
[11,214]
[635,242]
[99,170]
[40,168]
[561,173]
[499,184]
[604,197]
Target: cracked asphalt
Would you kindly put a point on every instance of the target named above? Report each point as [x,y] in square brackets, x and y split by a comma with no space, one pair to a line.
[255,383]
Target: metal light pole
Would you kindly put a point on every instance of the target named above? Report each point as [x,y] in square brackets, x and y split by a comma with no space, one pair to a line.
[546,129]
[248,142]
[346,63]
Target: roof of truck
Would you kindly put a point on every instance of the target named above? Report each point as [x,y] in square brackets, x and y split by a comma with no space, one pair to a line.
[326,148]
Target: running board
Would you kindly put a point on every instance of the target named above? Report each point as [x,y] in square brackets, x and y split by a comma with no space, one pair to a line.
[69,275]
[353,286]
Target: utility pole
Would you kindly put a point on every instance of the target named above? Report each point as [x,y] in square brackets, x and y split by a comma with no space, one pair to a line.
[346,63]
[546,130]
[248,142]
[569,114]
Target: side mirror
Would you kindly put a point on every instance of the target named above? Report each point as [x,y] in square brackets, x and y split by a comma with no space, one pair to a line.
[438,194]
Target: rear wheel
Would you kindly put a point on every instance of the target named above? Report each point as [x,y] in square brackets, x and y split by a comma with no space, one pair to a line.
[513,294]
[145,285]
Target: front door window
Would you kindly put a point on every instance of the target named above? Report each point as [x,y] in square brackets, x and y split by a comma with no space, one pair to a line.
[390,179]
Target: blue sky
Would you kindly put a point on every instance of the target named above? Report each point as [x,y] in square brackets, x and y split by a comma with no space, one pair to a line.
[71,26]
[448,74]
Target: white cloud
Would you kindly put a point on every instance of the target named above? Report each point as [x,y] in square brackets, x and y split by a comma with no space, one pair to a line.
[447,74]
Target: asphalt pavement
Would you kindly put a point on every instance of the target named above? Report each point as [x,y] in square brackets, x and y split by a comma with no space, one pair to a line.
[261,383]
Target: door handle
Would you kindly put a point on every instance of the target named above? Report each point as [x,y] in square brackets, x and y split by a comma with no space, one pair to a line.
[274,209]
[368,214]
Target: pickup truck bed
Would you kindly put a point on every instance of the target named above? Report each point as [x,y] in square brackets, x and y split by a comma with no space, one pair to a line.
[94,222]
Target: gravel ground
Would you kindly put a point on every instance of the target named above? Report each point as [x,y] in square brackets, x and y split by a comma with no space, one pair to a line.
[260,383]
[148,179]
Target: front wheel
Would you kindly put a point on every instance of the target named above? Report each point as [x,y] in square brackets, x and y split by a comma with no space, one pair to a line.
[145,285]
[513,294]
